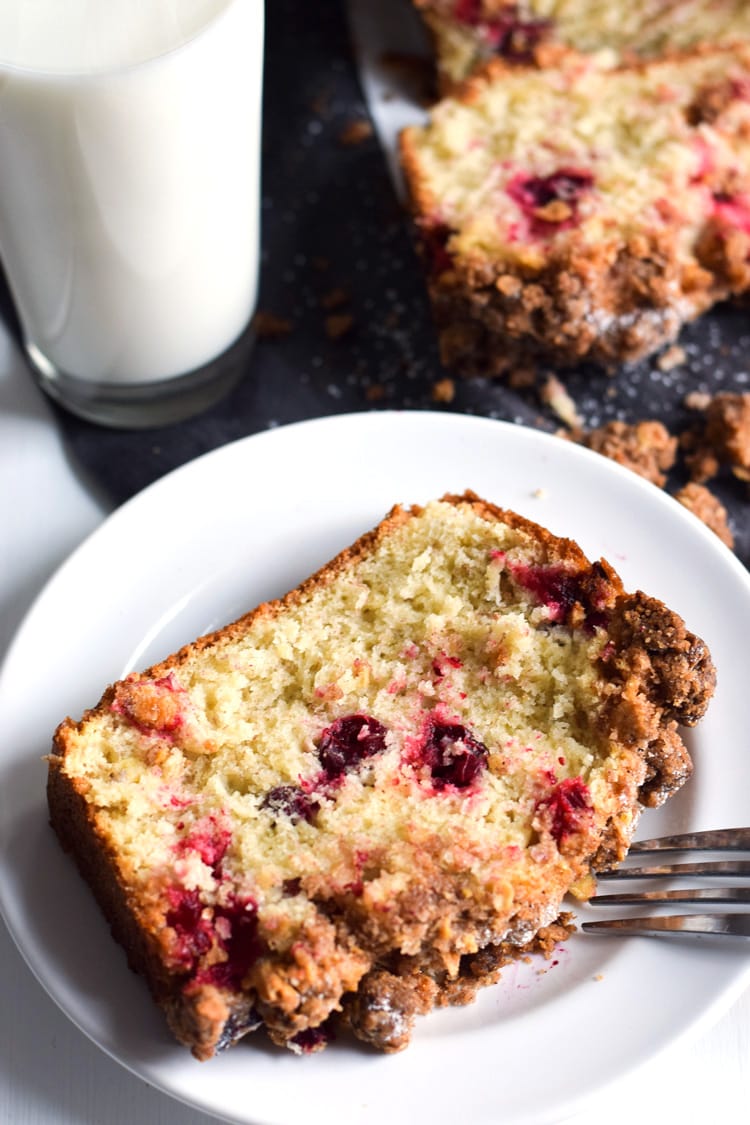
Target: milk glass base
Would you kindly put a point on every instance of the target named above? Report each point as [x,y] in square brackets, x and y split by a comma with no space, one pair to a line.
[141,406]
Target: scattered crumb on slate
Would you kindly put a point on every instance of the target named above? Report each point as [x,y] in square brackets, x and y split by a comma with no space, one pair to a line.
[338,325]
[673,357]
[724,438]
[375,392]
[521,377]
[355,132]
[646,447]
[707,507]
[697,400]
[554,394]
[334,298]
[444,390]
[728,429]
[268,326]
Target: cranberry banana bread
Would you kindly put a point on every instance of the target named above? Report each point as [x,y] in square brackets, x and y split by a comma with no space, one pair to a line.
[354,803]
[467,33]
[579,213]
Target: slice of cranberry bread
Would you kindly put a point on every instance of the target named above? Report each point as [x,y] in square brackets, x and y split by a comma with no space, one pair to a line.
[355,802]
[467,33]
[579,214]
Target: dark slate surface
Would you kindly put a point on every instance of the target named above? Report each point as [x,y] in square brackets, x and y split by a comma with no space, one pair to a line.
[330,221]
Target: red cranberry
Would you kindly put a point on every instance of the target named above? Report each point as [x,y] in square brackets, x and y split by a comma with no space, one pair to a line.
[194,932]
[442,663]
[733,211]
[292,802]
[435,245]
[531,193]
[313,1039]
[454,756]
[243,947]
[468,12]
[236,932]
[516,40]
[348,741]
[209,839]
[567,806]
[508,33]
[551,586]
[560,590]
[233,928]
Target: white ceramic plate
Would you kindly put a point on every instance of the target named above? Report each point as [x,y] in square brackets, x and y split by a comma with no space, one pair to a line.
[248,522]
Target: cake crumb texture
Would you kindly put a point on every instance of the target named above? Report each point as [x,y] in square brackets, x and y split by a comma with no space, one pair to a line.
[582,212]
[467,33]
[356,803]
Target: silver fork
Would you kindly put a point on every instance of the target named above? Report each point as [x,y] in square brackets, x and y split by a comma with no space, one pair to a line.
[722,840]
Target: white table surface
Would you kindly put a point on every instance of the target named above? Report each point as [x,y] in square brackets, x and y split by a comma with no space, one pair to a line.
[50,1074]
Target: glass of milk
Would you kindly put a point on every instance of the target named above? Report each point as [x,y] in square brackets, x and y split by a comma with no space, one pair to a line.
[129,197]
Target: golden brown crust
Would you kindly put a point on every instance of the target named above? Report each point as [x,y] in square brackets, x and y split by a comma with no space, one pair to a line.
[198,1026]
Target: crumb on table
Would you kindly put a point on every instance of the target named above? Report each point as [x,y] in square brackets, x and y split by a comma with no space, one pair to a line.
[646,447]
[728,430]
[444,390]
[673,357]
[702,503]
[337,325]
[723,440]
[269,326]
[554,394]
[355,132]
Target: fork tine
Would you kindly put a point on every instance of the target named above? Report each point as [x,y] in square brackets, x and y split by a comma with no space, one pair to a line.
[734,924]
[723,839]
[688,896]
[727,868]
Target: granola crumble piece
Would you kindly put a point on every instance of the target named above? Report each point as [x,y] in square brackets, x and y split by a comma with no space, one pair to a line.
[268,326]
[697,400]
[444,390]
[338,325]
[355,132]
[334,298]
[724,440]
[554,394]
[645,447]
[702,503]
[673,357]
[728,428]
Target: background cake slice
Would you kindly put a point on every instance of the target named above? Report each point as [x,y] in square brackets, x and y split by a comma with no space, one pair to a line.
[579,213]
[356,802]
[467,33]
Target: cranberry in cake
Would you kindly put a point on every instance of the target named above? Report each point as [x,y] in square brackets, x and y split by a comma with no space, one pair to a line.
[467,33]
[355,803]
[580,213]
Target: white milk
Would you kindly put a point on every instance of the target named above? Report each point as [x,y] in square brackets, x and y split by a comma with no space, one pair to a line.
[129,178]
